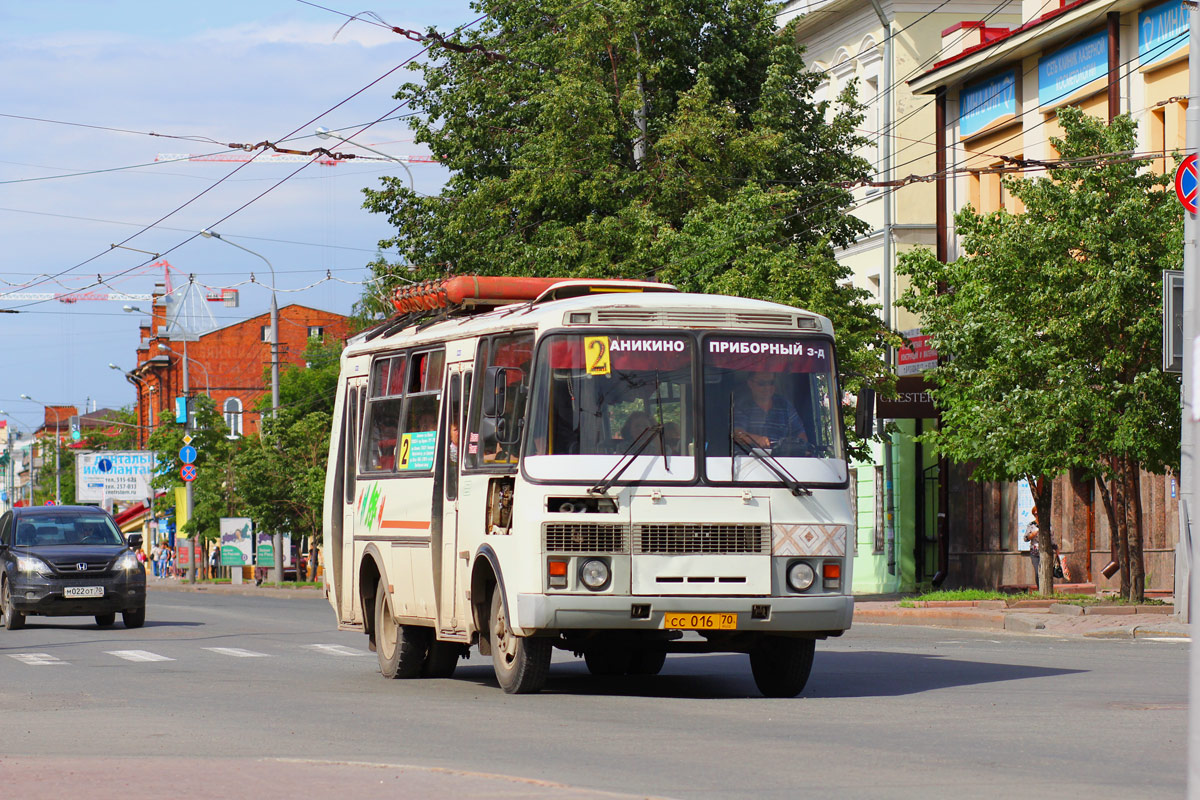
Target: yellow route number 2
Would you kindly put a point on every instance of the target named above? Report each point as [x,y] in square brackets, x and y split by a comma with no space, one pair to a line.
[596,351]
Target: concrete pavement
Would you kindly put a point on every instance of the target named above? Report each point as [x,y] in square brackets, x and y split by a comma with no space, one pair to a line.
[1044,617]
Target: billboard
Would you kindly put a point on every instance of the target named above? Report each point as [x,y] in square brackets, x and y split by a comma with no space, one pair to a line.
[105,476]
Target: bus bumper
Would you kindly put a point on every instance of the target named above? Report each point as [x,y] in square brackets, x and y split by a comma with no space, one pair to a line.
[538,613]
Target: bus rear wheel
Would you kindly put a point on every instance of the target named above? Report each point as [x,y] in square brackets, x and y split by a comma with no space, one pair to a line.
[781,665]
[522,663]
[401,648]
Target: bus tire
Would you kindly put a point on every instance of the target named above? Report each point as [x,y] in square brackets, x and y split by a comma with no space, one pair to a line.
[781,665]
[522,663]
[442,660]
[400,648]
[647,660]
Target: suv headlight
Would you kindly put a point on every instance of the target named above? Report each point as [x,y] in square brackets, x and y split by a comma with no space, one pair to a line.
[30,564]
[127,562]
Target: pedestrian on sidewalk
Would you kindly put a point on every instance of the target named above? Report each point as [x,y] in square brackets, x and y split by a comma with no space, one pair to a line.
[1031,536]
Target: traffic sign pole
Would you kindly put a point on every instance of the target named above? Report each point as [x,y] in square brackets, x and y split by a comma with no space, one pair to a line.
[1187,577]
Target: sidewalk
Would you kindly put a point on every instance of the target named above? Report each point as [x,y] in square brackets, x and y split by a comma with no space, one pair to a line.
[248,588]
[1036,617]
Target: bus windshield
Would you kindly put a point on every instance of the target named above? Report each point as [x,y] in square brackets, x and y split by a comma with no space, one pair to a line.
[601,399]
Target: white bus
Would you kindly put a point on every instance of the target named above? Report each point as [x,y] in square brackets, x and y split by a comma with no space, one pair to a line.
[612,468]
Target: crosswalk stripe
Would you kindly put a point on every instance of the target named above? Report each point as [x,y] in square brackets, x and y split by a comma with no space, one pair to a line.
[335,649]
[138,655]
[236,652]
[38,659]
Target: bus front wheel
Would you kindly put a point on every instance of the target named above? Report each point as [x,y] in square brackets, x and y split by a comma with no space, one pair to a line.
[522,663]
[781,665]
[401,648]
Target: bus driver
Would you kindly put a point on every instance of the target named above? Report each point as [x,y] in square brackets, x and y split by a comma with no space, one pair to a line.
[763,418]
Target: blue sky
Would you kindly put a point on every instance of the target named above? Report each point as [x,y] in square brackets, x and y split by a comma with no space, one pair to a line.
[228,71]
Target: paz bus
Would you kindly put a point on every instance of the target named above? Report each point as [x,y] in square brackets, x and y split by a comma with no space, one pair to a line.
[611,468]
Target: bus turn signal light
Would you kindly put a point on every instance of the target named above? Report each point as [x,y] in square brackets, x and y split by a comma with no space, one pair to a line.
[558,574]
[832,573]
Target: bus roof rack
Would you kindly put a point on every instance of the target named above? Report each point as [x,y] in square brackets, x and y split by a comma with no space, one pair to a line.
[472,293]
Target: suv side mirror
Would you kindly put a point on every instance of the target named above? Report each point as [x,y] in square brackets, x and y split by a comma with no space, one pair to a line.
[864,413]
[135,541]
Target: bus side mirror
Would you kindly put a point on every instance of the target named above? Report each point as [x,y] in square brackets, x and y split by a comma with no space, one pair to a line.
[495,384]
[864,413]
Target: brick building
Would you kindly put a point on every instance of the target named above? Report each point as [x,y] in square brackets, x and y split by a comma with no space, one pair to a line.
[231,364]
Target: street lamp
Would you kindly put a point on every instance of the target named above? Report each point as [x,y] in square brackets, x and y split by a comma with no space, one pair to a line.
[57,447]
[276,538]
[325,133]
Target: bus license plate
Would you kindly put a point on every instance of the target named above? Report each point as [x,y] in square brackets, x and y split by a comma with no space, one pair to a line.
[700,622]
[83,591]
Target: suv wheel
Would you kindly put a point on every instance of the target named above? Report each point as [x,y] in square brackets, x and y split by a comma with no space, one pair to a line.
[12,619]
[106,620]
[134,617]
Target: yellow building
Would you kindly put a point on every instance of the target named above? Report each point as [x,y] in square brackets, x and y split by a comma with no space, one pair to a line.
[998,99]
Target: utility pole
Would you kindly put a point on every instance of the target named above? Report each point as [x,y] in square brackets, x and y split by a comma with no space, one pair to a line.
[187,427]
[1191,377]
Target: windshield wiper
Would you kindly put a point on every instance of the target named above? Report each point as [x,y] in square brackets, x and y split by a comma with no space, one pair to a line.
[773,464]
[635,448]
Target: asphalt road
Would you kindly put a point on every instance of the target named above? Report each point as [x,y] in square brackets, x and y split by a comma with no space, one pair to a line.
[252,695]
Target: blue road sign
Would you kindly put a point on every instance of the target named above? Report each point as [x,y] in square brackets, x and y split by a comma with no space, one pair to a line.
[187,454]
[188,472]
[104,465]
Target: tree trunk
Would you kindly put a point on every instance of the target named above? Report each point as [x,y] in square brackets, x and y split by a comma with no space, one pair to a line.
[1137,563]
[314,556]
[1043,501]
[1122,508]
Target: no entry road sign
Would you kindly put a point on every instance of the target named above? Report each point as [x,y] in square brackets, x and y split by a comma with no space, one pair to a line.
[1187,184]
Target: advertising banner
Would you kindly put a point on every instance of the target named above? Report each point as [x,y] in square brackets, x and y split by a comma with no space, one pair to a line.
[101,477]
[236,541]
[265,557]
[1064,71]
[982,103]
[1162,31]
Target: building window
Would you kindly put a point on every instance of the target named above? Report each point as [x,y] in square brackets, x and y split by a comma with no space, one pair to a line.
[316,332]
[233,417]
[880,510]
[265,331]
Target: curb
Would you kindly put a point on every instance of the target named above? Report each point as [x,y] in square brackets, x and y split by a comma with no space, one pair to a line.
[244,591]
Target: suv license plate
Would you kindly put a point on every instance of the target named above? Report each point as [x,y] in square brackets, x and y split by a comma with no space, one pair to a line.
[83,591]
[700,622]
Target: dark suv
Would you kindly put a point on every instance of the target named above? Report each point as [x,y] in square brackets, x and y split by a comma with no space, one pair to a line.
[59,561]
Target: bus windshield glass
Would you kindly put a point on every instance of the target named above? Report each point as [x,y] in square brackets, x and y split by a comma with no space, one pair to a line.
[771,399]
[602,399]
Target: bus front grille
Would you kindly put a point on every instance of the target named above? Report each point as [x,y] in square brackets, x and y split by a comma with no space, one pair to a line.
[680,539]
[585,537]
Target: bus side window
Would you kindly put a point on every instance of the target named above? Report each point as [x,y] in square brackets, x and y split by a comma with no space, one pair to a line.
[382,415]
[495,438]
[350,442]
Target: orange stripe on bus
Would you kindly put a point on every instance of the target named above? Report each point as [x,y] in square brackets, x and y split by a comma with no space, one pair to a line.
[404,523]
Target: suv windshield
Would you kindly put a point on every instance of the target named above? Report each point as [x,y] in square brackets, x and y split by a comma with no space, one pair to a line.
[765,398]
[43,530]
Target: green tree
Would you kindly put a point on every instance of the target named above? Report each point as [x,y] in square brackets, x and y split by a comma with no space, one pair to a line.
[676,140]
[1051,322]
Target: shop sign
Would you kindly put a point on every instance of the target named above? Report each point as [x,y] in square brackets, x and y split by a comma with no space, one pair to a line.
[1063,72]
[986,101]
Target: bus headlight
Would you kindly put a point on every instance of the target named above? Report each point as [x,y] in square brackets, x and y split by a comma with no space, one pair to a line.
[800,576]
[594,574]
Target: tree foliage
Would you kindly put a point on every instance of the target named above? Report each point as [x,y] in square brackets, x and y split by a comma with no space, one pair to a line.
[1051,325]
[736,185]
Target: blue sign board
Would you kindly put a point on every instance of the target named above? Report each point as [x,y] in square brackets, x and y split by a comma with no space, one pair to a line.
[984,102]
[1162,30]
[187,454]
[104,465]
[1061,73]
[181,409]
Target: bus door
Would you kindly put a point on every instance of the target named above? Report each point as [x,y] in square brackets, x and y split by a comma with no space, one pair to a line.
[458,382]
[345,559]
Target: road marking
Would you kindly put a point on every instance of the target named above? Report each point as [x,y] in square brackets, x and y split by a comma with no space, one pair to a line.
[1181,639]
[138,655]
[38,659]
[236,652]
[335,649]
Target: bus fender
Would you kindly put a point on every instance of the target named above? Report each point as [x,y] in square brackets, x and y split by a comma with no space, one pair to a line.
[370,572]
[486,567]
